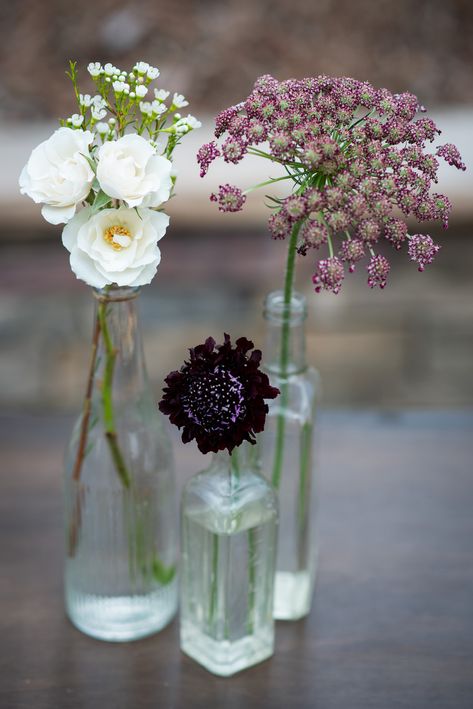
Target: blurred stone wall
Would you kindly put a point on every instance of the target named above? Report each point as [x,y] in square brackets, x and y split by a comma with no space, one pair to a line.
[212,50]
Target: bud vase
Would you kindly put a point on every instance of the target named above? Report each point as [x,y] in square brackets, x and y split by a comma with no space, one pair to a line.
[120,514]
[287,452]
[229,531]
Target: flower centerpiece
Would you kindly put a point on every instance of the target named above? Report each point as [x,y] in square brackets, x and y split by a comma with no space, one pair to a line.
[106,174]
[229,512]
[357,163]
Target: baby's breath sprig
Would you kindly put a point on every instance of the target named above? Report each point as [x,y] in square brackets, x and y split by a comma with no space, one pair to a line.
[125,102]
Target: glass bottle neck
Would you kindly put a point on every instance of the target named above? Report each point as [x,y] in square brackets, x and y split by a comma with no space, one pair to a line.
[284,351]
[239,461]
[119,344]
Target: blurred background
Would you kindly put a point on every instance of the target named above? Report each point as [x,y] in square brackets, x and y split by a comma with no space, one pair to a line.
[407,346]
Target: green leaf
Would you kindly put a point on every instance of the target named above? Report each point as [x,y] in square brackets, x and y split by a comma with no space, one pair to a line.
[93,166]
[163,574]
[101,199]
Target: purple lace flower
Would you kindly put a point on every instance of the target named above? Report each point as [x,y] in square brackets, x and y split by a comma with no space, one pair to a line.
[218,396]
[329,275]
[352,251]
[422,250]
[356,155]
[451,154]
[395,231]
[378,271]
[229,198]
[279,225]
[206,155]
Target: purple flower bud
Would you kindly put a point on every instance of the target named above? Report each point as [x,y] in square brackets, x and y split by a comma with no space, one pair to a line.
[352,251]
[451,154]
[422,250]
[395,231]
[378,271]
[329,275]
[229,198]
[206,155]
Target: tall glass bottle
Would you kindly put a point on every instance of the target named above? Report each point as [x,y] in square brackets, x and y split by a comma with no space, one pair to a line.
[120,514]
[228,554]
[287,452]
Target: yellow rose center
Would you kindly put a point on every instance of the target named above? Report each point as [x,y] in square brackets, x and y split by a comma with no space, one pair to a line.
[119,237]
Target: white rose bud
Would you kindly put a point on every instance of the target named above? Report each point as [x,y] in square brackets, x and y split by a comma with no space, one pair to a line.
[129,169]
[115,245]
[58,175]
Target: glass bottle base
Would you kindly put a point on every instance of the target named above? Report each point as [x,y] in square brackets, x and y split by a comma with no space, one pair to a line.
[223,657]
[292,595]
[122,618]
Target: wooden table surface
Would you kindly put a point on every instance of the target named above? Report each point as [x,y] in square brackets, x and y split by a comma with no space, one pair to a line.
[392,622]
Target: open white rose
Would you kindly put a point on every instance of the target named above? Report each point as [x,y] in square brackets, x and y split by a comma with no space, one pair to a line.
[58,175]
[115,245]
[129,169]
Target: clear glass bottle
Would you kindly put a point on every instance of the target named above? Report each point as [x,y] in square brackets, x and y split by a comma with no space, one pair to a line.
[287,453]
[120,512]
[228,554]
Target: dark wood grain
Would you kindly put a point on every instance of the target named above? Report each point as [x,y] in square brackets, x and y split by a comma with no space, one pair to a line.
[392,623]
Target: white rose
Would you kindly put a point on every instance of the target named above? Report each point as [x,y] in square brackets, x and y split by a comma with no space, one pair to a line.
[129,169]
[58,175]
[115,245]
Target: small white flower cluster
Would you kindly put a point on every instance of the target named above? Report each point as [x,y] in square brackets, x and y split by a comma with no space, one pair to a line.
[98,179]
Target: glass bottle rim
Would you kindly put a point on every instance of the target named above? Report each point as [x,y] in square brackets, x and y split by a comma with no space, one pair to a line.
[116,294]
[276,310]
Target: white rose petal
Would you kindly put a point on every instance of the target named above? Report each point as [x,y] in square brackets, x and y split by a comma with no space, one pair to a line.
[129,169]
[58,175]
[115,245]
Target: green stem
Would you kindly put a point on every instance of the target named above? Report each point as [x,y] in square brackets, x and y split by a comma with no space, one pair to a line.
[213,582]
[284,355]
[107,399]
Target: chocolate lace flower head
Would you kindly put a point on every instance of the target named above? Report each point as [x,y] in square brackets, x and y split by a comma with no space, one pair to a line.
[357,164]
[218,396]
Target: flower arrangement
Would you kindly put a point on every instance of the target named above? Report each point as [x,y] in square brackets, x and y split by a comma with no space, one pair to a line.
[228,511]
[105,174]
[107,171]
[357,164]
[217,397]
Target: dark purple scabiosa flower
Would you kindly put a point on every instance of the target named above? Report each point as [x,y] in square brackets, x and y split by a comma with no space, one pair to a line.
[353,157]
[229,198]
[422,249]
[218,395]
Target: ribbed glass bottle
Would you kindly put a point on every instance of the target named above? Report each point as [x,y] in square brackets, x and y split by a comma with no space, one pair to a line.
[228,554]
[120,512]
[287,452]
